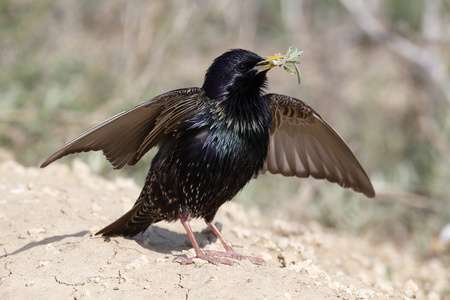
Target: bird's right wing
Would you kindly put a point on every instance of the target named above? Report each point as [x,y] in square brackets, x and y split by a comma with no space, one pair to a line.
[302,144]
[127,136]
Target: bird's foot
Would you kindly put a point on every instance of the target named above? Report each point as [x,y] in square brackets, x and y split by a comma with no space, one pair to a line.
[233,255]
[208,257]
[215,257]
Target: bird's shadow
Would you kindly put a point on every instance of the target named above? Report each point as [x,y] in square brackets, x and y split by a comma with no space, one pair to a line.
[164,241]
[46,241]
[156,239]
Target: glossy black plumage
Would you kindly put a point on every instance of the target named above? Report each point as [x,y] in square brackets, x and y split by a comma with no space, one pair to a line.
[212,141]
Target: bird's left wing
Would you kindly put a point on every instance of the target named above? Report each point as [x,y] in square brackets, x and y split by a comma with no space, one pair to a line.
[127,136]
[303,144]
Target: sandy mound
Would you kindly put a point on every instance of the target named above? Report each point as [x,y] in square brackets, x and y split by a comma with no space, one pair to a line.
[48,251]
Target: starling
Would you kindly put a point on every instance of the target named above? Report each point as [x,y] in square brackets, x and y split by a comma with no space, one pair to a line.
[213,140]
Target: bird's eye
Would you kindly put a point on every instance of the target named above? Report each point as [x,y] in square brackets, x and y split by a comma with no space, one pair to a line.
[241,67]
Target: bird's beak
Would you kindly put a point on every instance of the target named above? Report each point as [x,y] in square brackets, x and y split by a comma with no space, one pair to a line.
[268,63]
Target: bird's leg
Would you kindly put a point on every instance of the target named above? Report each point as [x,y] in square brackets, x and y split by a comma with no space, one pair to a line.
[199,253]
[229,252]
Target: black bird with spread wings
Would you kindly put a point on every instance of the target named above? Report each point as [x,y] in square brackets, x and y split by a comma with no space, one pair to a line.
[213,140]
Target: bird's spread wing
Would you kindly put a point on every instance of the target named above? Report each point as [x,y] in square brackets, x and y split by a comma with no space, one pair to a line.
[127,136]
[303,144]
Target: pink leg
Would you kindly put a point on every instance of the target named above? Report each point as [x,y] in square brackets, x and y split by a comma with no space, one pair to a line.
[230,253]
[199,253]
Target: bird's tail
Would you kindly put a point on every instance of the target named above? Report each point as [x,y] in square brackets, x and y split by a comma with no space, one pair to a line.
[130,224]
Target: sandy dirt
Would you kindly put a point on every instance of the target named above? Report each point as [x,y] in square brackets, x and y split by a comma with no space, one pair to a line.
[48,250]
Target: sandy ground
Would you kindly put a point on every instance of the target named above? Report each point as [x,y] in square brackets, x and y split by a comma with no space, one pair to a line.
[48,250]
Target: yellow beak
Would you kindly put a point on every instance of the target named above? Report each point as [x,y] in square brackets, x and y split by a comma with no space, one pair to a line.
[268,63]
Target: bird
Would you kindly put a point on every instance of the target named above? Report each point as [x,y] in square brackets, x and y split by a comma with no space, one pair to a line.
[211,142]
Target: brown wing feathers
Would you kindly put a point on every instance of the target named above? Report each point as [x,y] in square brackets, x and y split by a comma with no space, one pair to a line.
[302,144]
[126,137]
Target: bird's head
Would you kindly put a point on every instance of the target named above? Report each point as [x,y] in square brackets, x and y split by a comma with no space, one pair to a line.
[237,71]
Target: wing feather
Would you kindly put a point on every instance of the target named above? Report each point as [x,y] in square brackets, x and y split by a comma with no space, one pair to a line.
[127,136]
[302,144]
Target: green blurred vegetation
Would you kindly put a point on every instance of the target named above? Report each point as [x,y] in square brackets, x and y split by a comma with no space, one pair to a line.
[68,65]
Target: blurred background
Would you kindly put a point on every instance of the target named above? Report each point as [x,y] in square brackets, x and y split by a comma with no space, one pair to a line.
[377,71]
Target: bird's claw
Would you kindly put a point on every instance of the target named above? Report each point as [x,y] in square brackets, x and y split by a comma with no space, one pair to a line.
[234,255]
[217,257]
[209,258]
